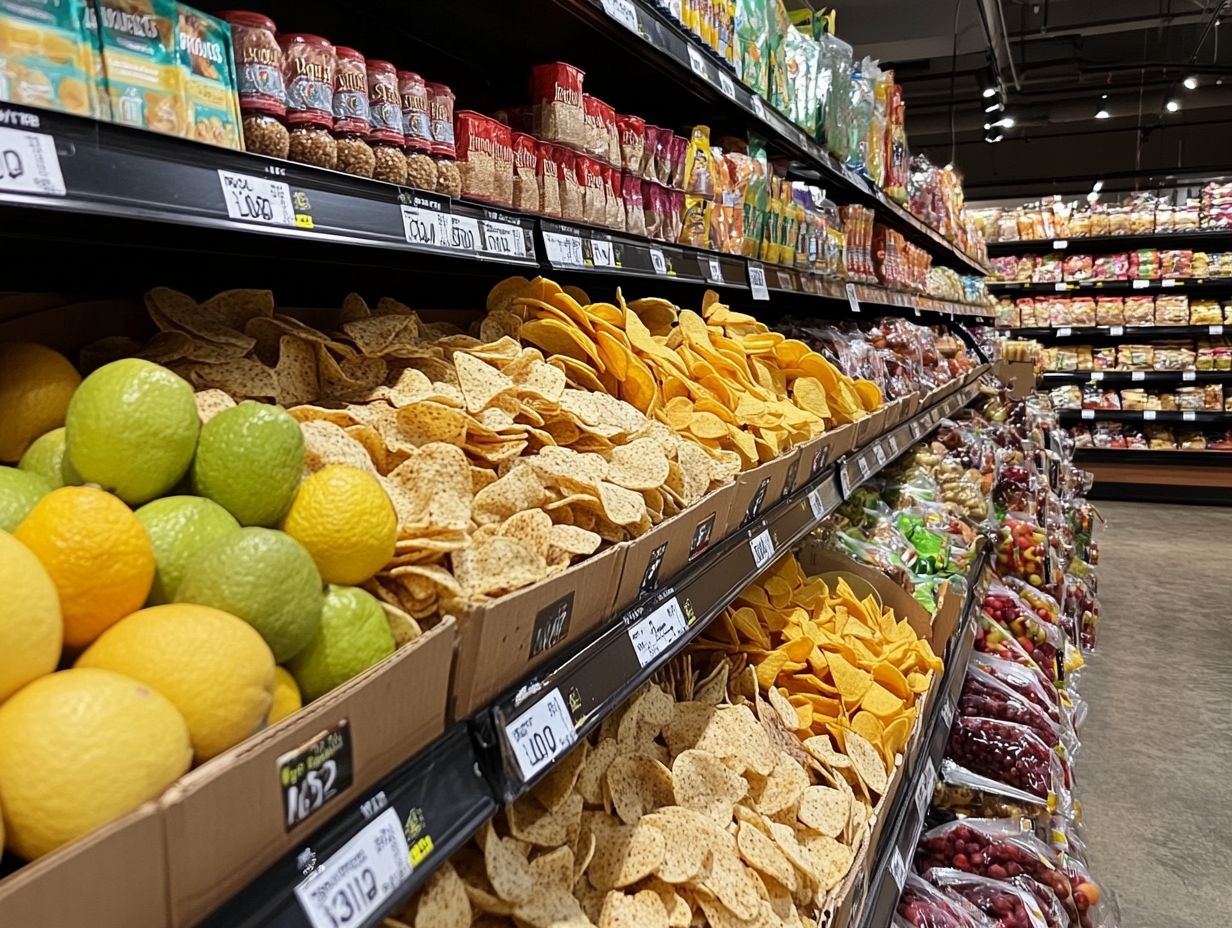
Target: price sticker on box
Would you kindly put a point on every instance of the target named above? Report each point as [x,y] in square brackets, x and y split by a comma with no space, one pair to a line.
[564,250]
[503,238]
[1088,414]
[1188,415]
[29,164]
[315,773]
[697,62]
[762,547]
[255,199]
[757,282]
[541,734]
[658,262]
[354,882]
[624,12]
[602,253]
[655,633]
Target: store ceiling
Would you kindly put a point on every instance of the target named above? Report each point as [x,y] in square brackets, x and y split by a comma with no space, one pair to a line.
[1055,61]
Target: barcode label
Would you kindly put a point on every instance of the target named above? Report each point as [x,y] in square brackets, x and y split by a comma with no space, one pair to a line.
[762,547]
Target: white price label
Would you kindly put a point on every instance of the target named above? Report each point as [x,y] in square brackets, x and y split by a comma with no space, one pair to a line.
[879,454]
[29,164]
[852,300]
[726,85]
[1189,415]
[564,250]
[947,714]
[915,309]
[816,505]
[1060,244]
[426,227]
[865,470]
[502,238]
[1140,284]
[1116,330]
[658,262]
[354,882]
[759,108]
[541,733]
[257,199]
[624,12]
[1060,286]
[1097,376]
[1215,330]
[1189,375]
[697,62]
[1148,415]
[924,792]
[1064,332]
[716,270]
[898,869]
[1168,283]
[463,233]
[762,548]
[757,282]
[1088,414]
[1137,376]
[602,252]
[653,634]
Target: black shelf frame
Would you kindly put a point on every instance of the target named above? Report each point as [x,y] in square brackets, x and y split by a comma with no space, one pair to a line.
[1201,285]
[1119,333]
[1169,417]
[1198,240]
[1195,458]
[1129,378]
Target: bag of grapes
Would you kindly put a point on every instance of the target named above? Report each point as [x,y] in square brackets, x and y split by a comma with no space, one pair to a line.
[1006,905]
[983,694]
[923,905]
[1024,681]
[1095,908]
[1013,754]
[963,793]
[991,637]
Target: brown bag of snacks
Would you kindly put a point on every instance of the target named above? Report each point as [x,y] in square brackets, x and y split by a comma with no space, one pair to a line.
[473,138]
[632,133]
[611,147]
[351,113]
[570,186]
[559,113]
[653,208]
[385,124]
[547,174]
[613,204]
[308,72]
[259,82]
[680,157]
[502,154]
[594,199]
[631,194]
[596,134]
[663,158]
[649,142]
[526,194]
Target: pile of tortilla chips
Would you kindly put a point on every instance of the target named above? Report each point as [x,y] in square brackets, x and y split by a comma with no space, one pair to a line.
[722,377]
[682,811]
[500,472]
[832,666]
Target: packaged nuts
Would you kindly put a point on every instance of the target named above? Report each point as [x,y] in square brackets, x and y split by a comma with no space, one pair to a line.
[259,83]
[547,175]
[351,113]
[502,154]
[416,123]
[476,163]
[265,134]
[421,171]
[440,113]
[559,113]
[632,133]
[384,104]
[314,145]
[448,177]
[526,186]
[309,63]
[390,164]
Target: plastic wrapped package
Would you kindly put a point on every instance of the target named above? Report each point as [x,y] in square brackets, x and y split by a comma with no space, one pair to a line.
[1012,754]
[996,848]
[993,639]
[923,905]
[753,39]
[1020,549]
[985,695]
[1095,909]
[1109,310]
[962,793]
[1006,905]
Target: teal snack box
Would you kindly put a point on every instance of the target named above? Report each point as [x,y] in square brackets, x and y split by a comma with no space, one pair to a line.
[207,65]
[44,59]
[143,80]
[94,60]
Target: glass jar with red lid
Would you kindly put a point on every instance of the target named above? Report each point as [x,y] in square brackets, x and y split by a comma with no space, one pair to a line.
[309,65]
[259,82]
[385,133]
[351,113]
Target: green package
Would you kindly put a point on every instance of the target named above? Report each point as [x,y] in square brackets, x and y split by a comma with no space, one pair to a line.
[753,39]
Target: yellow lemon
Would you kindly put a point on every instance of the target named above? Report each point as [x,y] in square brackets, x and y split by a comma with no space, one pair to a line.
[345,519]
[36,384]
[286,696]
[215,668]
[79,748]
[97,554]
[31,630]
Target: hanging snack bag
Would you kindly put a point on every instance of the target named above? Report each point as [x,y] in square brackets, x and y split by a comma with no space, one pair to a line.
[698,177]
[560,115]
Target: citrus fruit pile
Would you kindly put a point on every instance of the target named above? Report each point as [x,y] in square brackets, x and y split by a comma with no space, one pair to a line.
[157,572]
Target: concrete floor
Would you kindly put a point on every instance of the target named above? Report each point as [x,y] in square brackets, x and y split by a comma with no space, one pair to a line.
[1155,772]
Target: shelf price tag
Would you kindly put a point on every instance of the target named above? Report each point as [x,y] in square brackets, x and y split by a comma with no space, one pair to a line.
[255,199]
[1140,284]
[1060,286]
[541,734]
[658,262]
[865,470]
[502,238]
[898,869]
[654,633]
[601,251]
[757,282]
[1115,330]
[1189,375]
[1060,244]
[426,227]
[879,454]
[1088,414]
[726,85]
[624,12]
[313,774]
[1097,376]
[852,300]
[1137,376]
[816,505]
[1215,330]
[463,233]
[1064,332]
[762,547]
[697,62]
[564,250]
[947,713]
[1148,415]
[759,108]
[924,792]
[1169,282]
[784,279]
[716,270]
[354,882]
[1188,415]
[29,164]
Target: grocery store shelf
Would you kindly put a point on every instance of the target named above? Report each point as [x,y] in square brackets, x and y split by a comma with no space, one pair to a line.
[1195,417]
[905,819]
[1125,378]
[1198,239]
[1202,285]
[1204,458]
[1119,332]
[696,66]
[1198,477]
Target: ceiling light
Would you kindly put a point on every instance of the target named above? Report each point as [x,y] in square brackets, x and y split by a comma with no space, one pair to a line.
[1172,106]
[990,92]
[995,108]
[1191,83]
[1103,114]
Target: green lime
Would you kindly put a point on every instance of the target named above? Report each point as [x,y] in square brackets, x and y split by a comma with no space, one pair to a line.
[249,461]
[46,457]
[266,578]
[179,527]
[352,637]
[132,429]
[19,491]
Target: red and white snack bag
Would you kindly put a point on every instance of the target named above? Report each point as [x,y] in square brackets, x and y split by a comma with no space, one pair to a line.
[559,113]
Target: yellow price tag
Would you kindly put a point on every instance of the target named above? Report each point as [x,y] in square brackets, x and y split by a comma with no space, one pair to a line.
[303,220]
[421,849]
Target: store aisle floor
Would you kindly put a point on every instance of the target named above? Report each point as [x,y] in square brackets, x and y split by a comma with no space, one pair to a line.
[1154,774]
